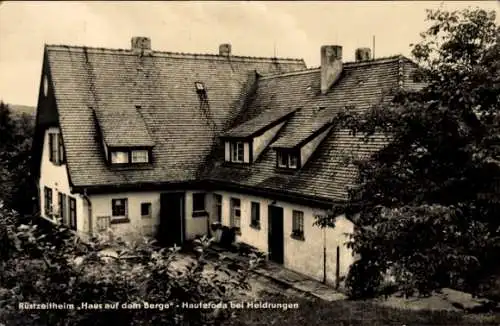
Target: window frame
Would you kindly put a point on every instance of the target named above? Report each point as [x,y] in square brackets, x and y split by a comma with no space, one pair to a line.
[117,218]
[149,208]
[62,204]
[48,201]
[218,207]
[56,148]
[234,151]
[129,154]
[297,224]
[196,211]
[255,218]
[288,159]
[233,216]
[201,90]
[143,151]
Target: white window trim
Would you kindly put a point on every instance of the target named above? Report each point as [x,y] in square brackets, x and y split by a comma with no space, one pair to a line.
[118,217]
[234,152]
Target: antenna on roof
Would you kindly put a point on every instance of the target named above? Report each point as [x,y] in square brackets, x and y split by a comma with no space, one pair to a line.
[373,46]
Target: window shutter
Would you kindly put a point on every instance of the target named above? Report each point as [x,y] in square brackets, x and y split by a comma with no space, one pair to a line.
[228,152]
[246,152]
[51,145]
[61,150]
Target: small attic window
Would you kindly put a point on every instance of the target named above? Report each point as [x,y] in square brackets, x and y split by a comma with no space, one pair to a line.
[287,159]
[199,86]
[130,156]
[200,89]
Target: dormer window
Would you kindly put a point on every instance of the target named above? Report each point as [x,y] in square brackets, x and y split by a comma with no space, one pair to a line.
[129,156]
[287,159]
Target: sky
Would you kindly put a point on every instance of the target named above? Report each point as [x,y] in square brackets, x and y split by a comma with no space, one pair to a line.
[285,28]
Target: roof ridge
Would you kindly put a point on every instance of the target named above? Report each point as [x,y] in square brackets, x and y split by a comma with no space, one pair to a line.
[169,53]
[291,73]
[348,64]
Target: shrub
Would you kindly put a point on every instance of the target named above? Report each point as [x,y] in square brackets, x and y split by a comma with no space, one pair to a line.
[61,269]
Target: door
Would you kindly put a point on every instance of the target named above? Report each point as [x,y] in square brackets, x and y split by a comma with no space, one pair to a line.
[171,228]
[275,236]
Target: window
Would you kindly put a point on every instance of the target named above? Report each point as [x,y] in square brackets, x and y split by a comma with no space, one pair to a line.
[140,156]
[235,212]
[119,208]
[199,205]
[72,213]
[56,150]
[127,156]
[45,86]
[218,208]
[255,218]
[298,224]
[119,157]
[48,201]
[287,160]
[146,209]
[282,160]
[62,207]
[237,151]
[61,150]
[200,89]
[199,86]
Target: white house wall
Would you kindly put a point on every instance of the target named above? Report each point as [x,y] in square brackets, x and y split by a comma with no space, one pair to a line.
[56,178]
[306,256]
[138,225]
[147,226]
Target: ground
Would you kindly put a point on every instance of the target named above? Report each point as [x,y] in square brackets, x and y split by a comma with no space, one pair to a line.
[315,311]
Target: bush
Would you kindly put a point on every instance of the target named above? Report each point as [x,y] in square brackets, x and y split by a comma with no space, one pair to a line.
[61,269]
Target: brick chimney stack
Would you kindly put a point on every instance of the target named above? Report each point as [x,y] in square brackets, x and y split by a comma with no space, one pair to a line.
[225,49]
[141,44]
[363,54]
[331,66]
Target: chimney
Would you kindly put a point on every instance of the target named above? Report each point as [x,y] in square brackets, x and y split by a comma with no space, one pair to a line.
[225,49]
[331,66]
[141,44]
[363,54]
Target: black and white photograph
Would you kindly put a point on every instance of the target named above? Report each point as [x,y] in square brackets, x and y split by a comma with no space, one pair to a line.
[249,163]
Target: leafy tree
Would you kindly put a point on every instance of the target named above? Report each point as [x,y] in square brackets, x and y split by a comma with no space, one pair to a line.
[16,185]
[37,267]
[427,205]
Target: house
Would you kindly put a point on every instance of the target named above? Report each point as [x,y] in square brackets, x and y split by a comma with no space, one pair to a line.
[158,143]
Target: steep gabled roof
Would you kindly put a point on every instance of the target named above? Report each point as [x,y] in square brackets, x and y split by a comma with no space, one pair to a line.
[181,127]
[326,174]
[123,127]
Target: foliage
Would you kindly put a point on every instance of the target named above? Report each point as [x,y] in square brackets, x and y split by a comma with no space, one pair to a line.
[16,134]
[107,270]
[426,205]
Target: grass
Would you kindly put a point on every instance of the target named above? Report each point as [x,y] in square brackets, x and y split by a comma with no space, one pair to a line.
[344,313]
